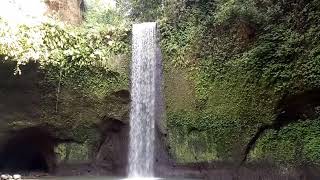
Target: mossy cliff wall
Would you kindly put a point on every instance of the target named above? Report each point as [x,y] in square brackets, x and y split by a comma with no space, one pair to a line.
[241,80]
[67,83]
[250,80]
[76,120]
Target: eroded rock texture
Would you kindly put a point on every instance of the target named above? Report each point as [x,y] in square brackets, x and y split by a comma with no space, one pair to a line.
[35,135]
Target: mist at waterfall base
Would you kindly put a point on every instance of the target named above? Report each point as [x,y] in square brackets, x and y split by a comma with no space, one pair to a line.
[145,89]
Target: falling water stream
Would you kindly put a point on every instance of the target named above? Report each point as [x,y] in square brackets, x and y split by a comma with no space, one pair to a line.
[145,71]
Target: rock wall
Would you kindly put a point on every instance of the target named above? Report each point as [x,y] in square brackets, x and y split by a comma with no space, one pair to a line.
[98,125]
[67,10]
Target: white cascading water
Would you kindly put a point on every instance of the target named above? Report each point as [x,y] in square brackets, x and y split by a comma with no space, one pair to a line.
[145,87]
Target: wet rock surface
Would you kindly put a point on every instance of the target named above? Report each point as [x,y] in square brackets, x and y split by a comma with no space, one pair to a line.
[20,98]
[10,177]
[31,130]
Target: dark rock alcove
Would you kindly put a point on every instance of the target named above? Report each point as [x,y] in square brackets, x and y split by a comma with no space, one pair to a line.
[30,149]
[303,106]
[113,149]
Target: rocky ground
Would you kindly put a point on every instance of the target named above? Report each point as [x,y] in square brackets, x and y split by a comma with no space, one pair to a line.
[10,177]
[218,171]
[203,171]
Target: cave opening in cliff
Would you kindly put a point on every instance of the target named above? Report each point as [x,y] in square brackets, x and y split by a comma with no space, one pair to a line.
[303,106]
[28,150]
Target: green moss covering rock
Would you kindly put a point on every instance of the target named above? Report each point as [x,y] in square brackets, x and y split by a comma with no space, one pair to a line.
[243,58]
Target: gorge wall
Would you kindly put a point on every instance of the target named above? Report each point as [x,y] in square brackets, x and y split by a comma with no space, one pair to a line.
[241,89]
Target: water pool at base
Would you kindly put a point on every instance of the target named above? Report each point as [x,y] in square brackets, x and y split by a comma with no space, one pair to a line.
[108,178]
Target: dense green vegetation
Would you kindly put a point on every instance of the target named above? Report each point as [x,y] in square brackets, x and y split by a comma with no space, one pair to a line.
[229,67]
[242,59]
[80,67]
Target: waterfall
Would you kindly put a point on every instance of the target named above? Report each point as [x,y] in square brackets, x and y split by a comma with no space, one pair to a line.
[145,88]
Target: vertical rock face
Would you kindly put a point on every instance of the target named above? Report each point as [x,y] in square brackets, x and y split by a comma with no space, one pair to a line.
[35,11]
[112,153]
[67,10]
[32,131]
